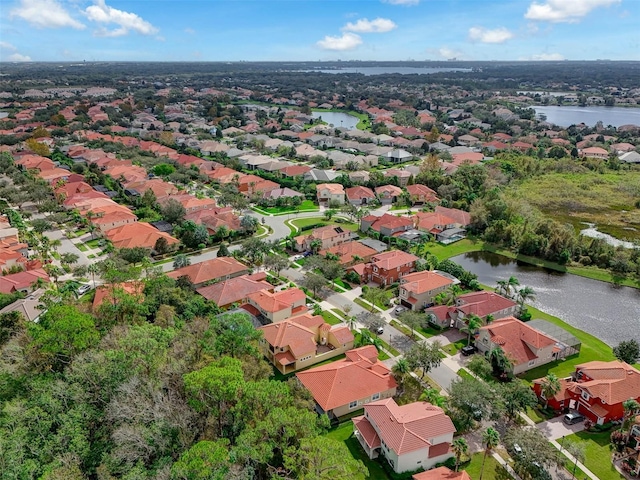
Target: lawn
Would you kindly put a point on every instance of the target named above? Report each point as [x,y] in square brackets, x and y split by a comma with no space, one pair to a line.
[95,243]
[306,206]
[344,433]
[330,318]
[339,313]
[492,469]
[81,246]
[598,453]
[447,251]
[342,284]
[320,221]
[464,374]
[453,348]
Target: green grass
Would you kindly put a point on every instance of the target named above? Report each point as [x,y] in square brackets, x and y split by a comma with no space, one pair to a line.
[344,285]
[300,262]
[536,415]
[362,303]
[91,256]
[597,452]
[344,433]
[454,347]
[384,302]
[305,206]
[305,222]
[95,243]
[81,246]
[492,469]
[330,318]
[339,313]
[464,374]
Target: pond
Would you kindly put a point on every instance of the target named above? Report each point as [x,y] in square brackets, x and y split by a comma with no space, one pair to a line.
[338,119]
[610,313]
[567,116]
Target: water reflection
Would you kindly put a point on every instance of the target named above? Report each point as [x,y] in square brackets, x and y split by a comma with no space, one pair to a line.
[608,312]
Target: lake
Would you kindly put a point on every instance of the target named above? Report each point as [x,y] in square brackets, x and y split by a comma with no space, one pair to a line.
[567,116]
[338,119]
[367,71]
[610,313]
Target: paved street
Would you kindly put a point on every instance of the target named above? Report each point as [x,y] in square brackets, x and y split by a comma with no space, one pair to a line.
[67,246]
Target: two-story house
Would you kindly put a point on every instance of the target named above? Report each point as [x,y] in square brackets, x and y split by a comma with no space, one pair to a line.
[418,289]
[345,386]
[420,194]
[359,195]
[386,225]
[387,267]
[482,304]
[330,192]
[525,346]
[413,436]
[275,307]
[349,253]
[302,341]
[596,389]
[323,238]
[388,194]
[221,268]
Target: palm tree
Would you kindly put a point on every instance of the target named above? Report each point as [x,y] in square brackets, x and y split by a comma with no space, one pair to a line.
[488,319]
[524,294]
[499,360]
[453,292]
[490,440]
[432,395]
[440,299]
[501,287]
[93,269]
[315,245]
[459,448]
[400,371]
[631,408]
[512,283]
[474,322]
[549,386]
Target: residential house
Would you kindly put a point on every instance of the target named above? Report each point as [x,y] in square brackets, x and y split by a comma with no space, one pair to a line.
[22,281]
[228,292]
[105,293]
[108,217]
[398,156]
[403,176]
[525,346]
[386,225]
[387,267]
[359,195]
[216,269]
[283,192]
[138,234]
[215,218]
[461,218]
[596,389]
[421,194]
[275,307]
[317,175]
[190,202]
[302,341]
[418,289]
[388,194]
[345,386]
[295,170]
[412,436]
[594,152]
[441,473]
[361,176]
[436,224]
[483,304]
[630,157]
[30,308]
[328,193]
[323,238]
[254,185]
[349,253]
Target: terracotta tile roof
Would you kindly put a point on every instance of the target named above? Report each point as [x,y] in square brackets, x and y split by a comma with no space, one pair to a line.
[483,303]
[21,280]
[424,281]
[191,202]
[233,290]
[392,259]
[346,251]
[103,292]
[441,473]
[388,221]
[275,302]
[358,376]
[367,431]
[138,234]
[460,216]
[295,170]
[334,188]
[419,190]
[515,338]
[298,336]
[216,268]
[408,427]
[613,382]
[359,192]
[388,191]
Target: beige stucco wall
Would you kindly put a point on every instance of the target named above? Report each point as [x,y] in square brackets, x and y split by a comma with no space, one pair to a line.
[344,409]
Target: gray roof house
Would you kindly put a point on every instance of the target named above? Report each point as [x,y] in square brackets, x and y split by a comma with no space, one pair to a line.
[399,155]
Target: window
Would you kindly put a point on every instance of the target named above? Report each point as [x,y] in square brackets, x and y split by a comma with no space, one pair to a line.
[353,404]
[584,395]
[375,396]
[532,363]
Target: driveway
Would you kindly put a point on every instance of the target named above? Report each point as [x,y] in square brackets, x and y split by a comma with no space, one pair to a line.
[67,246]
[555,428]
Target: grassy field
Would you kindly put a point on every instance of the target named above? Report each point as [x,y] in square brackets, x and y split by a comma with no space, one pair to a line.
[330,318]
[305,222]
[344,433]
[608,200]
[305,206]
[492,469]
[598,453]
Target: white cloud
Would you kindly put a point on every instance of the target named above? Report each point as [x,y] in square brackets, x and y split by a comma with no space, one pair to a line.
[348,41]
[7,47]
[446,52]
[378,25]
[402,2]
[17,57]
[45,14]
[483,35]
[569,11]
[547,57]
[125,21]
[190,31]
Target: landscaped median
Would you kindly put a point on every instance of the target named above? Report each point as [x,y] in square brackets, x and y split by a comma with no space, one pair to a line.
[306,206]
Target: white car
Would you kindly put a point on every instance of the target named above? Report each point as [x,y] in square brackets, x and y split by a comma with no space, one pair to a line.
[399,309]
[83,289]
[297,257]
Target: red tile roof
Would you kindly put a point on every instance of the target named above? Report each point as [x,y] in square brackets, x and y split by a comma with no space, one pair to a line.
[359,192]
[516,339]
[138,234]
[389,191]
[393,259]
[408,427]
[104,292]
[483,303]
[234,290]
[275,302]
[214,269]
[419,190]
[460,216]
[358,376]
[21,280]
[346,251]
[425,281]
[613,382]
[441,473]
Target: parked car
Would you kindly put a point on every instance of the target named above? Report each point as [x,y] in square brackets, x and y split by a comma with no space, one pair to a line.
[468,350]
[573,417]
[399,309]
[517,449]
[82,289]
[380,330]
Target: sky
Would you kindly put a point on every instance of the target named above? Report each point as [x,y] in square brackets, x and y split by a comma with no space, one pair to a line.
[312,30]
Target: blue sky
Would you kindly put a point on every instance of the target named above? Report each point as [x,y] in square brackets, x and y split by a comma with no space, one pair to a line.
[275,30]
